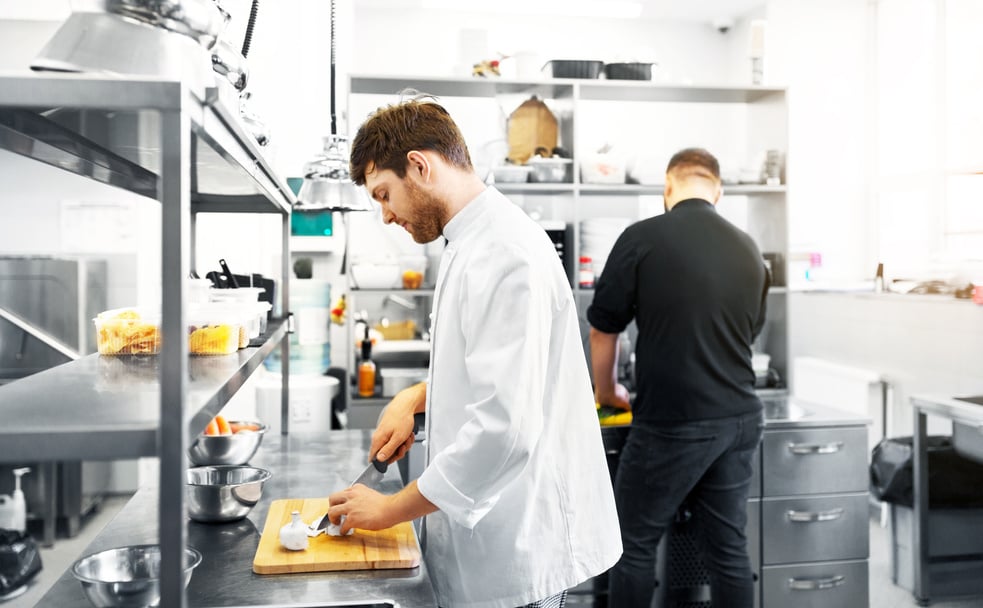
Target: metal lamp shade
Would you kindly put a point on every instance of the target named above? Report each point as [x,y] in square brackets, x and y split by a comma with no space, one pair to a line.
[328,182]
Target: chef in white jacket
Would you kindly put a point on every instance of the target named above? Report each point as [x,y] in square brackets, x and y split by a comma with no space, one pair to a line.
[516,491]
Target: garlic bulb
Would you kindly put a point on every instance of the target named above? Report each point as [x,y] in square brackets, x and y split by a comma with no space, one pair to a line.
[293,536]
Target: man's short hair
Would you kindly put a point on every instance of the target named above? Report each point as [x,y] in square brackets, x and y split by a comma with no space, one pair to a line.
[694,162]
[390,133]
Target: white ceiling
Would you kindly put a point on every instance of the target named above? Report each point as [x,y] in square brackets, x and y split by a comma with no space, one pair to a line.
[697,10]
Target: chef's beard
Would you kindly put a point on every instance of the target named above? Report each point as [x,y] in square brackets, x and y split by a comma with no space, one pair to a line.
[429,214]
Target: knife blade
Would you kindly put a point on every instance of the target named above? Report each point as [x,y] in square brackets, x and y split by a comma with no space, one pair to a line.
[372,474]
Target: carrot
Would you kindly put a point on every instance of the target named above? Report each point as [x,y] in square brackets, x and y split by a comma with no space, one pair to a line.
[212,428]
[238,427]
[223,425]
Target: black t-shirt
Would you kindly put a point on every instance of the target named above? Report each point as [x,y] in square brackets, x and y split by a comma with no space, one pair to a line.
[696,286]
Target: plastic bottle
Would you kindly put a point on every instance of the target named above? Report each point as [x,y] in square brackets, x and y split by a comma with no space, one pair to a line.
[585,276]
[13,509]
[366,369]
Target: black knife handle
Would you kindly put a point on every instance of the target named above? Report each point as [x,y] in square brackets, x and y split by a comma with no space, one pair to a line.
[380,465]
[228,274]
[419,421]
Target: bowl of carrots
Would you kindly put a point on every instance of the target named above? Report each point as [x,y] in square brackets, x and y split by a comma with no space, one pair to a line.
[226,442]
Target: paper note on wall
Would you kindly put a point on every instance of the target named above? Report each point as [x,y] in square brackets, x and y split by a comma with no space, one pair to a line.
[98,227]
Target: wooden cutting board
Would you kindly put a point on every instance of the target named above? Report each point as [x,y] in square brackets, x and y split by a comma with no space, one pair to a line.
[394,547]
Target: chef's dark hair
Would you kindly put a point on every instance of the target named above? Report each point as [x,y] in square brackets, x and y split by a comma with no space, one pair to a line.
[393,131]
[695,160]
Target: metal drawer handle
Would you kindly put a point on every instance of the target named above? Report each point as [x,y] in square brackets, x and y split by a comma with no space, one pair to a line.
[815,448]
[814,516]
[815,584]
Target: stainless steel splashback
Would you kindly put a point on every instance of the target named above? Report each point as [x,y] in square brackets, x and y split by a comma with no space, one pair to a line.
[59,297]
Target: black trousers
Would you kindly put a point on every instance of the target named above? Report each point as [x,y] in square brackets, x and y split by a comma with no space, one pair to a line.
[706,463]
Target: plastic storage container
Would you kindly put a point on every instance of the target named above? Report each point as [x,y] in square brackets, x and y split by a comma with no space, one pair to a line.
[128,331]
[310,344]
[213,331]
[238,294]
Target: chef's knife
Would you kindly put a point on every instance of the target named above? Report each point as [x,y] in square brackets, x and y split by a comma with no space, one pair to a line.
[371,477]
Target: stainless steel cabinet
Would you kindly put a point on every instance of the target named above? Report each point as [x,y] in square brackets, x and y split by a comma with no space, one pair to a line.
[814,517]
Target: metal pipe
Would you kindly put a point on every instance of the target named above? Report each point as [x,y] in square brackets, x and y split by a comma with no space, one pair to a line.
[41,335]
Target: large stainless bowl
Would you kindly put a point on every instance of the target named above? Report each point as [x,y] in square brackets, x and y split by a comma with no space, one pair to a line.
[127,576]
[233,449]
[217,494]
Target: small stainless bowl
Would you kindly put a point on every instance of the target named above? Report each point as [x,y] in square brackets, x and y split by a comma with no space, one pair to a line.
[233,449]
[127,576]
[217,494]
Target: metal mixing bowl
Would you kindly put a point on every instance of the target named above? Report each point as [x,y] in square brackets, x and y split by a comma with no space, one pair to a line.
[233,449]
[127,576]
[217,494]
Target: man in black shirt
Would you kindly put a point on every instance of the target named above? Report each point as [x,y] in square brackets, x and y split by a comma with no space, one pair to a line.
[696,287]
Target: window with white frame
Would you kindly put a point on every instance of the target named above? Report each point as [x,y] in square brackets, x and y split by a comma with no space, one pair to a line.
[928,120]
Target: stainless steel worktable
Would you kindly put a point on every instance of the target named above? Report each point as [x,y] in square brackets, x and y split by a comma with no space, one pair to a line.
[958,411]
[303,465]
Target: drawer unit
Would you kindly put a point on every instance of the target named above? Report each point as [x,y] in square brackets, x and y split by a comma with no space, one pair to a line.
[814,461]
[814,528]
[817,585]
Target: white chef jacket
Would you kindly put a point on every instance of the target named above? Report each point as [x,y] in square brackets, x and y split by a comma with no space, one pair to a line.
[515,460]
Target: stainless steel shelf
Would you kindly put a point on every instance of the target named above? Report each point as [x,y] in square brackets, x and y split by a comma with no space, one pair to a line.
[636,90]
[535,188]
[553,88]
[461,87]
[104,408]
[394,290]
[657,189]
[103,129]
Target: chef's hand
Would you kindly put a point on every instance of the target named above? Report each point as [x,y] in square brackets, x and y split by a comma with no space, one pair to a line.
[362,508]
[393,435]
[616,398]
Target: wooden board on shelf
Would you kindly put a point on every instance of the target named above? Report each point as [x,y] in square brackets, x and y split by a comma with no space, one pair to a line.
[394,547]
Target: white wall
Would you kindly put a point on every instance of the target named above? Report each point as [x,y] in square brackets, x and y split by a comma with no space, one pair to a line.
[920,344]
[820,51]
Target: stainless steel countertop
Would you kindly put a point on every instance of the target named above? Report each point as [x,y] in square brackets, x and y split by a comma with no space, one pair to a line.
[303,465]
[808,415]
[950,407]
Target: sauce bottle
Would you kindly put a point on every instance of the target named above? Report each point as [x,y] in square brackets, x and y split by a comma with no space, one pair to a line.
[366,369]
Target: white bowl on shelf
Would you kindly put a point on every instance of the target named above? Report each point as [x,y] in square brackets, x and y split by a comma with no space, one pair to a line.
[375,275]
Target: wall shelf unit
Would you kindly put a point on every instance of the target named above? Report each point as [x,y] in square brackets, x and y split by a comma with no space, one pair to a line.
[187,149]
[735,123]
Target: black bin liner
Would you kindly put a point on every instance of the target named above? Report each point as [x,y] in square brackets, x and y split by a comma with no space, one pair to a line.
[953,481]
[20,560]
